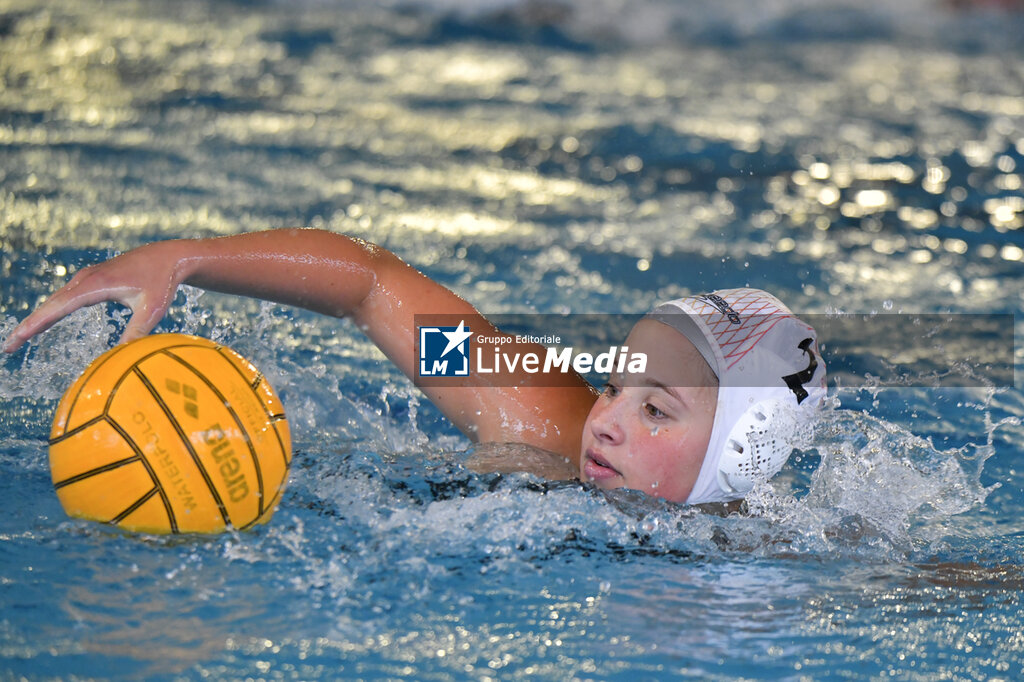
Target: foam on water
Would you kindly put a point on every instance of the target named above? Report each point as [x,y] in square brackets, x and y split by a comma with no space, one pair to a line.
[863,488]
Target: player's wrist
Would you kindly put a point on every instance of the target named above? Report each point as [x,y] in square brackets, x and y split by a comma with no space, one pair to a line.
[194,261]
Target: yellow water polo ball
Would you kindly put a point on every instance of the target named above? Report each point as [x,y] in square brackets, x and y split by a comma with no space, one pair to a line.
[170,434]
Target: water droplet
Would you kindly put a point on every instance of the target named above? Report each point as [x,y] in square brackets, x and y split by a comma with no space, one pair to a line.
[887,304]
[654,431]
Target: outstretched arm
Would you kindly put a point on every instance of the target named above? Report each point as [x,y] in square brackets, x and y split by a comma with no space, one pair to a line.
[318,270]
[335,275]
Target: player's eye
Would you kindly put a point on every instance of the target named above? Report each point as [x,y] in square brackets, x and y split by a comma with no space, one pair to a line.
[653,412]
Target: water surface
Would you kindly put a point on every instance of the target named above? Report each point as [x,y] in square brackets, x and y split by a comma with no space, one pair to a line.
[592,158]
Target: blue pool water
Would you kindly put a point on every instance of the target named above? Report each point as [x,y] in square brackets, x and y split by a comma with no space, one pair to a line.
[537,158]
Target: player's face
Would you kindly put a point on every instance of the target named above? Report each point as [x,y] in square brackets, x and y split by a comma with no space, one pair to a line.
[650,432]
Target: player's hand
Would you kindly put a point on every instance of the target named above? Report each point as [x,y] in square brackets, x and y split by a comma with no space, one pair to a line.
[144,280]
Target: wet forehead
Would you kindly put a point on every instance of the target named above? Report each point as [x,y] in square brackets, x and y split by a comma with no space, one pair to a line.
[672,360]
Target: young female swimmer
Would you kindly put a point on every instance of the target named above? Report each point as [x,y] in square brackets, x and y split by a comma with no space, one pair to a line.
[722,369]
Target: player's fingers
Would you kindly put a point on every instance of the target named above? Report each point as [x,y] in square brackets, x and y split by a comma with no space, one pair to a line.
[148,308]
[78,293]
[42,318]
[14,341]
[141,323]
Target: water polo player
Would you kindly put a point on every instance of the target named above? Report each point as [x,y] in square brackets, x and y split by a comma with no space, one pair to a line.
[729,376]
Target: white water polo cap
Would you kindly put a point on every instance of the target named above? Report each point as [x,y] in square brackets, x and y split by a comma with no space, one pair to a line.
[771,382]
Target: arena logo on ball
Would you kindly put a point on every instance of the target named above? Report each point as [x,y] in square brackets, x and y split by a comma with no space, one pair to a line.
[451,351]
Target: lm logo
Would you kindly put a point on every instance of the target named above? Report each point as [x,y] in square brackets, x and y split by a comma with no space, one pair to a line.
[444,351]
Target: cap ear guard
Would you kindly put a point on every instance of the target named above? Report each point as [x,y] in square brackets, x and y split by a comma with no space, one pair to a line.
[758,445]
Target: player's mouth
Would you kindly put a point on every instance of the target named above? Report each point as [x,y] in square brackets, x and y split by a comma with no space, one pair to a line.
[596,468]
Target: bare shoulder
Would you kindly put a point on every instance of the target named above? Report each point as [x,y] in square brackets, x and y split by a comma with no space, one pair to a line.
[507,458]
[545,418]
[544,409]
